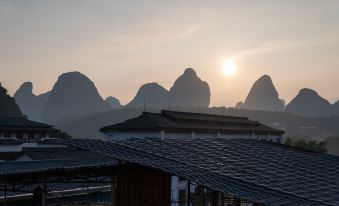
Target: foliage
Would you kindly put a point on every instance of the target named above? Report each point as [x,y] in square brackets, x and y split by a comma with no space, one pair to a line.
[62,135]
[312,145]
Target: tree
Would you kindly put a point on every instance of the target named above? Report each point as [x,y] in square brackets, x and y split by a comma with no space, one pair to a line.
[312,145]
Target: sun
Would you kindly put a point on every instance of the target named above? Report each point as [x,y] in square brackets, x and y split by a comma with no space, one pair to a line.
[229,67]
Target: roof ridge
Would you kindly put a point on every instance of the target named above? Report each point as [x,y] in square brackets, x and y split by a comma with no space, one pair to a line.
[164,111]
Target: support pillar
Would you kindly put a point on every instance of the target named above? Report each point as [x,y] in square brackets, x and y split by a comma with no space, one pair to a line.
[175,191]
[188,203]
[215,198]
[44,193]
[5,195]
[113,191]
[222,199]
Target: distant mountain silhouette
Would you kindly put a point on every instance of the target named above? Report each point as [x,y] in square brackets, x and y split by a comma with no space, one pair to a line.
[152,95]
[263,96]
[113,102]
[8,107]
[309,103]
[73,94]
[31,105]
[336,108]
[88,126]
[190,91]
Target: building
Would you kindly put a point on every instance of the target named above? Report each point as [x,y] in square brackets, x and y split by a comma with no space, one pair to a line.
[173,124]
[219,171]
[59,193]
[17,133]
[174,159]
[24,130]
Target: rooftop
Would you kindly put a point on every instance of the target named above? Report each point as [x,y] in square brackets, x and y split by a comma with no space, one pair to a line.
[21,122]
[183,121]
[255,170]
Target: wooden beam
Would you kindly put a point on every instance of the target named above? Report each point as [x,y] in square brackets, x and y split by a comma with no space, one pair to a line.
[113,191]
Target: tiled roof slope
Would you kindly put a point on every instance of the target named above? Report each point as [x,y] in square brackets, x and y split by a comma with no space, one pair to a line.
[181,121]
[49,159]
[21,122]
[255,170]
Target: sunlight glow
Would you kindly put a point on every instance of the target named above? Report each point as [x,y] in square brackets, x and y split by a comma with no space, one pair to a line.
[229,67]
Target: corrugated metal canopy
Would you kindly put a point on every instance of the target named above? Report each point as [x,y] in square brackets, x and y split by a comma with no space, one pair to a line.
[258,171]
[254,170]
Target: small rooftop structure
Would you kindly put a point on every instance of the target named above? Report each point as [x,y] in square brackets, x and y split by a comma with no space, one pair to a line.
[190,125]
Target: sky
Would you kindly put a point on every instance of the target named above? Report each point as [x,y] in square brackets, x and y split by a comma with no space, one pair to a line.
[121,45]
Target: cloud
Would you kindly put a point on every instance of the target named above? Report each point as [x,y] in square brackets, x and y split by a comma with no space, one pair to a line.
[147,38]
[281,46]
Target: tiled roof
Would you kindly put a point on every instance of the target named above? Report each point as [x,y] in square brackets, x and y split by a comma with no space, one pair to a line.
[66,153]
[54,159]
[49,159]
[254,170]
[21,122]
[183,121]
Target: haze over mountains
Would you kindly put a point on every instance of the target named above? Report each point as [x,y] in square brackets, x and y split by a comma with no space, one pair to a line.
[75,94]
[75,105]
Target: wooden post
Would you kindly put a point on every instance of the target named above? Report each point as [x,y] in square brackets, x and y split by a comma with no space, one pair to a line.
[44,193]
[222,197]
[215,198]
[5,195]
[113,191]
[188,193]
[203,197]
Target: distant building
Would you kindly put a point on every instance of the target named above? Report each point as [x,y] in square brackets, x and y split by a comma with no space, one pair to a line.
[173,124]
[17,133]
[24,130]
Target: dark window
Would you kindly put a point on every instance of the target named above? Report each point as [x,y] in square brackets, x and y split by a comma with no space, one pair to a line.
[7,134]
[19,135]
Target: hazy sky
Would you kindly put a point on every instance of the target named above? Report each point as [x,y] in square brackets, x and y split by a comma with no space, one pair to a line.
[121,45]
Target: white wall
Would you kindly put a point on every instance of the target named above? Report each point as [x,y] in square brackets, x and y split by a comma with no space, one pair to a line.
[10,148]
[169,135]
[128,135]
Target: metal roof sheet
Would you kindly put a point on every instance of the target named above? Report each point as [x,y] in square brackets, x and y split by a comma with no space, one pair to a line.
[255,170]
